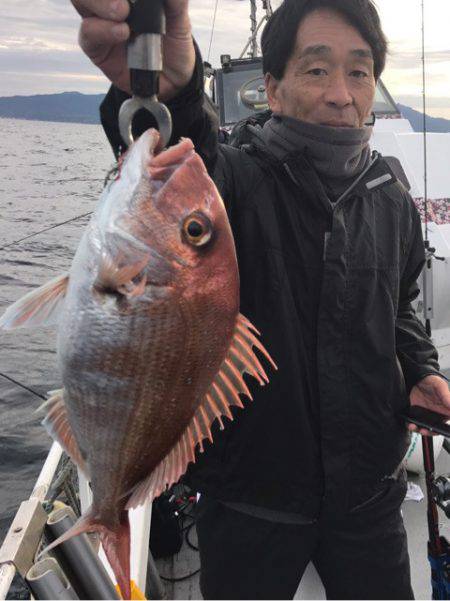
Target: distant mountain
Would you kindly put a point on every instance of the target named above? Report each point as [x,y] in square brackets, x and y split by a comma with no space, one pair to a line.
[75,107]
[434,124]
[71,107]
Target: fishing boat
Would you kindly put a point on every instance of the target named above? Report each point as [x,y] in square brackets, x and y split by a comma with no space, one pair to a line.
[236,87]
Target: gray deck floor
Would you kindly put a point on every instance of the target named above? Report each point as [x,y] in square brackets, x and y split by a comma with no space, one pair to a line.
[311,587]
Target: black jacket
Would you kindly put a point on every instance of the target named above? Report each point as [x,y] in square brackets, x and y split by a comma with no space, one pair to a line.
[330,288]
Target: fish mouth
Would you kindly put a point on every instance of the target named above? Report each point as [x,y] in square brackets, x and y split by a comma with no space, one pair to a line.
[163,163]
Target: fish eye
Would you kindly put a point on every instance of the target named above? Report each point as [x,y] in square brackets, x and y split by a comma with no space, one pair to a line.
[197,229]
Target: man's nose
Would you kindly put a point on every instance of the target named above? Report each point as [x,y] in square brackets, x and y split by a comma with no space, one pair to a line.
[338,93]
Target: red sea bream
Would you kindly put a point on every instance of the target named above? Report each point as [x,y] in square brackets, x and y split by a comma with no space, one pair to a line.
[151,345]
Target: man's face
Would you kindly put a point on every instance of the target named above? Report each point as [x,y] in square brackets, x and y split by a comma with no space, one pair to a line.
[329,78]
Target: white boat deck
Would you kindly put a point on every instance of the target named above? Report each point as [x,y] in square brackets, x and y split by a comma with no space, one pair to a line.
[311,587]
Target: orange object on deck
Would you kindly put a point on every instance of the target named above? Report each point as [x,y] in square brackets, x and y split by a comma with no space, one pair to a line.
[136,593]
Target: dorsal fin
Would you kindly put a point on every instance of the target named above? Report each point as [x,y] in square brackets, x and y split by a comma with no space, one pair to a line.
[57,425]
[223,393]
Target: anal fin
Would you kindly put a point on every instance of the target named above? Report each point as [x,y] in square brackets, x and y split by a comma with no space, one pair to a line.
[223,393]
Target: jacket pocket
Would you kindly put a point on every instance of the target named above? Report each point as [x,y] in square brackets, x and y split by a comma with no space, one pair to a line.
[386,495]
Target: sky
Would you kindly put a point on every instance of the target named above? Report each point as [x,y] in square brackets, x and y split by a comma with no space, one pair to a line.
[39,51]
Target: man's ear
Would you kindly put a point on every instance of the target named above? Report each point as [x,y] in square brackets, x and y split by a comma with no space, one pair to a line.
[272,92]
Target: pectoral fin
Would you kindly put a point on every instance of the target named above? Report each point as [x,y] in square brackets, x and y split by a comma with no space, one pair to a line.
[223,393]
[40,307]
[127,279]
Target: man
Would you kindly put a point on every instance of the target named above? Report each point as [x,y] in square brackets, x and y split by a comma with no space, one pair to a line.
[329,246]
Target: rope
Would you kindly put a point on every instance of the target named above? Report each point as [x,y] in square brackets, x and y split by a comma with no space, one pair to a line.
[212,30]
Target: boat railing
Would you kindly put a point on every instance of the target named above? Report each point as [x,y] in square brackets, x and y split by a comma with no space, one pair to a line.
[17,552]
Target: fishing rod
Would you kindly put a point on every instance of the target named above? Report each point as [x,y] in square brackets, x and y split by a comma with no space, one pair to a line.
[38,394]
[428,308]
[438,490]
[111,174]
[47,229]
[438,494]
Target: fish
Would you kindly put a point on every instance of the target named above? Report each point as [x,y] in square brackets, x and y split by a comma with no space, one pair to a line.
[151,346]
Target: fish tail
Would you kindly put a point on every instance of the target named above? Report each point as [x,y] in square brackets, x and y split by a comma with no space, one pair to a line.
[116,544]
[115,541]
[86,523]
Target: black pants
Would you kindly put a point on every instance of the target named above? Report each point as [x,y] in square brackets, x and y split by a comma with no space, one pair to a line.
[360,554]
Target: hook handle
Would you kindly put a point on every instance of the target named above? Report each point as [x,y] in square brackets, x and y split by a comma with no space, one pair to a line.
[147,25]
[146,16]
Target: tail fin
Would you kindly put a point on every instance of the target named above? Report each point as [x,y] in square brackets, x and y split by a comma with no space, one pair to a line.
[116,544]
[115,541]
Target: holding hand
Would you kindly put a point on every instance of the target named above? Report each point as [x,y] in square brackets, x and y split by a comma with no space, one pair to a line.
[431,393]
[104,33]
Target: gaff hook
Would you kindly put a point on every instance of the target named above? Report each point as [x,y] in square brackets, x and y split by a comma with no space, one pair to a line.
[144,57]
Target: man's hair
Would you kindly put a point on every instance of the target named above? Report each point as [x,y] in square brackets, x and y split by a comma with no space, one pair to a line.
[280,33]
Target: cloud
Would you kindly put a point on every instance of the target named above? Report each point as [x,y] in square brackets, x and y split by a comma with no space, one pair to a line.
[401,58]
[39,49]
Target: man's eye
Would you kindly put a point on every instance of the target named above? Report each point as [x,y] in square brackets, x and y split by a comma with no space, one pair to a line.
[358,74]
[317,72]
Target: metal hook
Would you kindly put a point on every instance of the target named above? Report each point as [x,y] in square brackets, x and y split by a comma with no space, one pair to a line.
[159,111]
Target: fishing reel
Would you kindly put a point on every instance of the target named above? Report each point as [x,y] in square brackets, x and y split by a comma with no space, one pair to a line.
[440,491]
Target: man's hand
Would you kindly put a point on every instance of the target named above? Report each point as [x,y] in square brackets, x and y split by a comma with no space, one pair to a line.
[104,33]
[432,393]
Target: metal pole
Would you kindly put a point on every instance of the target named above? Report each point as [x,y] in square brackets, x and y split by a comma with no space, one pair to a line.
[250,38]
[268,8]
[253,27]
